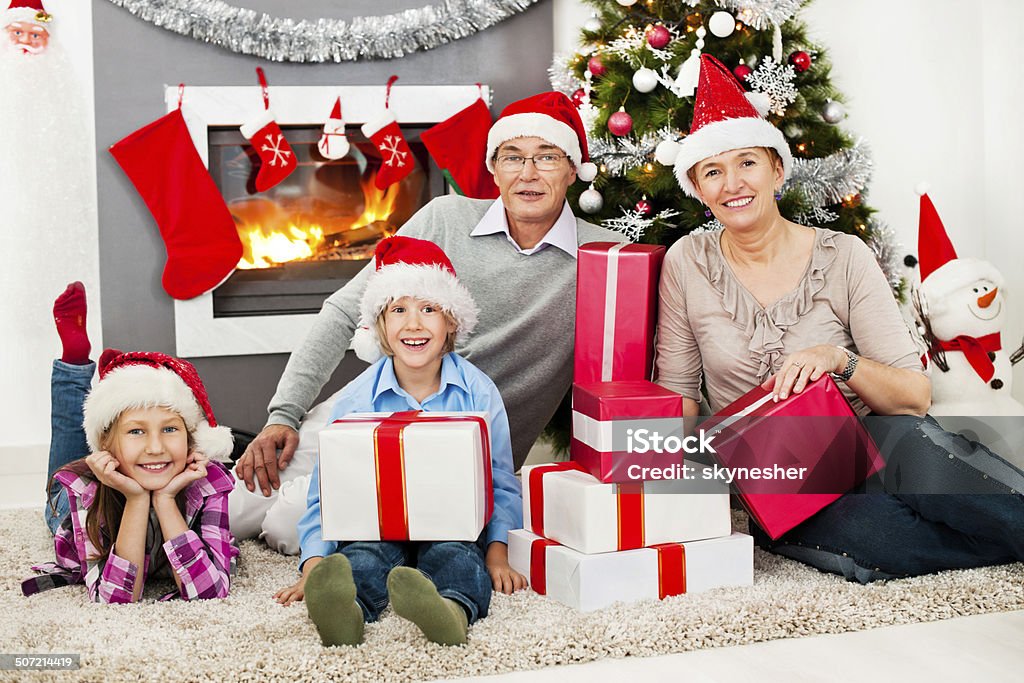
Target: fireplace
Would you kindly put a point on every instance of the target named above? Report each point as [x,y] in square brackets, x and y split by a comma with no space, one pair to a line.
[310,234]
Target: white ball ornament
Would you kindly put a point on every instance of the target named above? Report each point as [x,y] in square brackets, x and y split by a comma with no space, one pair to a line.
[593,24]
[833,112]
[645,80]
[722,24]
[626,3]
[666,152]
[591,200]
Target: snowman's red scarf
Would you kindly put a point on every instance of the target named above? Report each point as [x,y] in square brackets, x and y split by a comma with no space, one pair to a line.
[975,350]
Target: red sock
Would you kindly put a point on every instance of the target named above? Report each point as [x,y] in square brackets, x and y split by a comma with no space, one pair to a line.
[69,314]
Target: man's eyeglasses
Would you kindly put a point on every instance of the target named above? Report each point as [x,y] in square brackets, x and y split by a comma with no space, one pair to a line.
[512,163]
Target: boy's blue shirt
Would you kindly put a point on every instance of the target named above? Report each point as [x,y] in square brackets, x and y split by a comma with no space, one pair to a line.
[463,388]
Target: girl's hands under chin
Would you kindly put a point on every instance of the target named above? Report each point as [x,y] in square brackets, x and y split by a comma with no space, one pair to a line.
[195,469]
[104,466]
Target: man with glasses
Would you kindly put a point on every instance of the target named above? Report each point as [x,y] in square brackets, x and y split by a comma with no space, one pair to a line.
[516,254]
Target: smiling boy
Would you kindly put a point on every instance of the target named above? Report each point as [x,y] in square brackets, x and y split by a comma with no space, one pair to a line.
[413,311]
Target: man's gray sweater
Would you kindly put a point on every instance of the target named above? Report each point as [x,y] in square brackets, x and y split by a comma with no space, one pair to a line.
[523,341]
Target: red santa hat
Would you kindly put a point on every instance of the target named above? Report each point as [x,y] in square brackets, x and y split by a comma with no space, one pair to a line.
[724,118]
[141,379]
[406,266]
[29,11]
[942,272]
[550,116]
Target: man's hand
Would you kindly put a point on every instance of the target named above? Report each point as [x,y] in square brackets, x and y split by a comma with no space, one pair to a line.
[261,461]
[503,577]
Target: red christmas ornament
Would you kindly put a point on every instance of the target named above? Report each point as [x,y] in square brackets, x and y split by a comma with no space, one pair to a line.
[741,72]
[577,97]
[620,123]
[596,66]
[801,61]
[643,207]
[658,36]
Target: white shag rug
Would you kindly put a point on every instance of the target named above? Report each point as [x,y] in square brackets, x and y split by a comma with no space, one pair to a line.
[248,637]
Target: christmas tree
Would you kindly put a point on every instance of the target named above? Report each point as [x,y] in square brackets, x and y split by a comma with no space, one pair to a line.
[634,80]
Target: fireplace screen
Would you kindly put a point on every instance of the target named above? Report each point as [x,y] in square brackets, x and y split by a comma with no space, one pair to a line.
[308,235]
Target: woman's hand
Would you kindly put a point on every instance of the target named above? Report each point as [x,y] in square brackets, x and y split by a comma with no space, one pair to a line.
[503,577]
[104,466]
[803,367]
[195,469]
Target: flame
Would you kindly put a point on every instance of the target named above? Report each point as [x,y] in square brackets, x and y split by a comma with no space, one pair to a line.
[272,234]
[264,249]
[380,204]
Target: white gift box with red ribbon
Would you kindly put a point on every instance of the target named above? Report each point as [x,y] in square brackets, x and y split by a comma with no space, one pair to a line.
[411,476]
[590,582]
[568,505]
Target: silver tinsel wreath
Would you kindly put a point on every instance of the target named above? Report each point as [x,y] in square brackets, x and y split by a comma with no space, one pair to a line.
[282,39]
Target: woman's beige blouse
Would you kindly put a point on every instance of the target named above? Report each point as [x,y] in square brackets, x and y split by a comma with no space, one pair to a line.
[710,327]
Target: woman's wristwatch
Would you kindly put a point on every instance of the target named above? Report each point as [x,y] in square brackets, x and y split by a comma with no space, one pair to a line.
[851,365]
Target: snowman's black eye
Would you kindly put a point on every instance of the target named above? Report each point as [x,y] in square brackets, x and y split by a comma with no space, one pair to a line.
[975,290]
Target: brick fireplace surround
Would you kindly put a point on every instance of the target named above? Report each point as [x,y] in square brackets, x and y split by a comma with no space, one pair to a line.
[512,58]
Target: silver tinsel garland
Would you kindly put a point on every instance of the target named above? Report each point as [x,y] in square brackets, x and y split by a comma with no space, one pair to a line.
[888,251]
[282,39]
[759,14]
[620,155]
[829,179]
[561,76]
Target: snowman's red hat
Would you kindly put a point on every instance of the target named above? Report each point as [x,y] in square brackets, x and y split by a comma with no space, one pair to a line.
[942,272]
[955,274]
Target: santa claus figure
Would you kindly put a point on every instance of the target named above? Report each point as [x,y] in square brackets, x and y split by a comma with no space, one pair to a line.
[962,307]
[47,196]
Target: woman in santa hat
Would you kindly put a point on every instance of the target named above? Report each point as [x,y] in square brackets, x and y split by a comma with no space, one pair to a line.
[766,301]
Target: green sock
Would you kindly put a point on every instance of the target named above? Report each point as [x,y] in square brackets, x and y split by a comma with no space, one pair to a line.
[331,602]
[415,598]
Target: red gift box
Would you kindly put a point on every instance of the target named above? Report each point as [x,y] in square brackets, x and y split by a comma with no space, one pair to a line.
[598,406]
[815,434]
[616,311]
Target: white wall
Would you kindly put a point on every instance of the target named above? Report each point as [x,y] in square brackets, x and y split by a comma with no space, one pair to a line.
[931,85]
[60,254]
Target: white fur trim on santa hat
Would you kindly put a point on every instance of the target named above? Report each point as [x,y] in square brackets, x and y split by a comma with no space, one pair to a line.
[954,274]
[435,284]
[531,124]
[144,386]
[26,15]
[377,123]
[724,136]
[256,124]
[366,344]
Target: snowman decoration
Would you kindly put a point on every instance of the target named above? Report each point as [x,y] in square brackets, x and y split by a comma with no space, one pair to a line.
[961,305]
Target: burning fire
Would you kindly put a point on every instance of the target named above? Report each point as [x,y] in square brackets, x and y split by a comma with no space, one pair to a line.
[263,249]
[273,234]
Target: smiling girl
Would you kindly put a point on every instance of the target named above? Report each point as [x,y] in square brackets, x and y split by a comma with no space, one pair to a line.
[147,501]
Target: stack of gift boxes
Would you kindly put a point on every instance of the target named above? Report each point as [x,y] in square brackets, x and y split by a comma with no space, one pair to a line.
[594,532]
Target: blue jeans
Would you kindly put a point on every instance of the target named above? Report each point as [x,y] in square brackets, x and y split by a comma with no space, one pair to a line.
[456,568]
[69,385]
[890,529]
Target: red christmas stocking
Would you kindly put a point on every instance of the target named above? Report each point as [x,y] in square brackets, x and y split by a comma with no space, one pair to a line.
[383,131]
[459,146]
[195,224]
[277,160]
